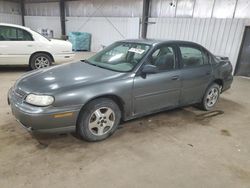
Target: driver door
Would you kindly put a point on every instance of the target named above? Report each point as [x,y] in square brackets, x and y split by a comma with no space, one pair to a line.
[153,92]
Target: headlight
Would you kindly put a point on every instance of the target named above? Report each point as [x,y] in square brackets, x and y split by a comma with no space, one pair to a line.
[39,100]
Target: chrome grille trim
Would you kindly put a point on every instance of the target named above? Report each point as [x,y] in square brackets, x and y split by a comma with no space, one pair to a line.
[19,93]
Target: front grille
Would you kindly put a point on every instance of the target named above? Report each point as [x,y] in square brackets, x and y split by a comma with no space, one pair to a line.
[19,93]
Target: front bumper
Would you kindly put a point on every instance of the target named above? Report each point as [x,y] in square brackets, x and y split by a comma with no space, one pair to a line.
[43,119]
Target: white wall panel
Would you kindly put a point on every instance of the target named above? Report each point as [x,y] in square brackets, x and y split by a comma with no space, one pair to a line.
[9,7]
[104,30]
[10,12]
[200,8]
[224,8]
[42,9]
[44,22]
[133,8]
[220,36]
[203,9]
[163,8]
[242,10]
[99,8]
[11,18]
[185,8]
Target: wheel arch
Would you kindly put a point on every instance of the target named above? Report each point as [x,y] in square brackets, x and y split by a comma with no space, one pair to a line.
[215,81]
[42,52]
[219,82]
[118,100]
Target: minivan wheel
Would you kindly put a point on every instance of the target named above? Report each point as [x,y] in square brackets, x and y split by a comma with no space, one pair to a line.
[98,120]
[211,97]
[40,60]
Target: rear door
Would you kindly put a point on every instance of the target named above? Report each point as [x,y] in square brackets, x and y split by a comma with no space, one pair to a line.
[16,45]
[196,73]
[159,90]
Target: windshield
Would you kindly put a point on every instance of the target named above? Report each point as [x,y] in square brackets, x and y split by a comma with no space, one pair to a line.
[121,56]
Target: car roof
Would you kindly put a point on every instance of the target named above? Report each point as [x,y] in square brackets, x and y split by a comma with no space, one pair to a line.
[157,41]
[143,41]
[13,25]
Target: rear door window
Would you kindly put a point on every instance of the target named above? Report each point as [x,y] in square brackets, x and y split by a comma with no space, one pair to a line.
[192,57]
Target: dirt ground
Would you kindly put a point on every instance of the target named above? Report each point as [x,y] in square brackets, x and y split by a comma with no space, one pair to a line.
[179,148]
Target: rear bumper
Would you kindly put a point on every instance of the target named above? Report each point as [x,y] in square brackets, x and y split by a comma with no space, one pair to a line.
[227,83]
[43,120]
[59,58]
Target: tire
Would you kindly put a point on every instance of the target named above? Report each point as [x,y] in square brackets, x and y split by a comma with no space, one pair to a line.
[211,97]
[98,120]
[40,60]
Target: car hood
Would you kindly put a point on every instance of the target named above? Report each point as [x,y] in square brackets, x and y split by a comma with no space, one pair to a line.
[64,77]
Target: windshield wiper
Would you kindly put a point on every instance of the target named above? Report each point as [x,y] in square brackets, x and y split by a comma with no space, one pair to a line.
[86,61]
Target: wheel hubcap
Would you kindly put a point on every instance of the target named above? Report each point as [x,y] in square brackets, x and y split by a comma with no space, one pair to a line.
[41,62]
[212,97]
[101,121]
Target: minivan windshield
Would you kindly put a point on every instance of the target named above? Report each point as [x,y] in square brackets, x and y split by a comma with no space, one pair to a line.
[120,56]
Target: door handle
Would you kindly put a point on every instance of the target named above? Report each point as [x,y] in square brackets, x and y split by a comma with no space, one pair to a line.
[175,78]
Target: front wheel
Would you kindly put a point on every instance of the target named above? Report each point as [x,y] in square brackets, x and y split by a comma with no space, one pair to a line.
[211,97]
[98,120]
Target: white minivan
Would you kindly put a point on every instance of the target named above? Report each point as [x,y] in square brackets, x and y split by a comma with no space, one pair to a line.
[21,45]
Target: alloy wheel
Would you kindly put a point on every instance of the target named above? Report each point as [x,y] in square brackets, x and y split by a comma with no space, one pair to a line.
[41,62]
[212,97]
[101,121]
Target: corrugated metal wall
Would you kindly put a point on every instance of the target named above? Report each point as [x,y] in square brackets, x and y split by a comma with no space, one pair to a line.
[10,12]
[100,8]
[104,30]
[220,36]
[43,15]
[87,8]
[89,16]
[42,9]
[200,8]
[10,18]
[9,7]
[44,22]
[212,23]
[133,8]
[216,24]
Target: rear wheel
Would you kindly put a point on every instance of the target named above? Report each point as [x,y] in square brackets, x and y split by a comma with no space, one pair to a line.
[211,97]
[98,120]
[40,60]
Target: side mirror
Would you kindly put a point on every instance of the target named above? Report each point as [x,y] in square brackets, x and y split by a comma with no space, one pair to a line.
[150,69]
